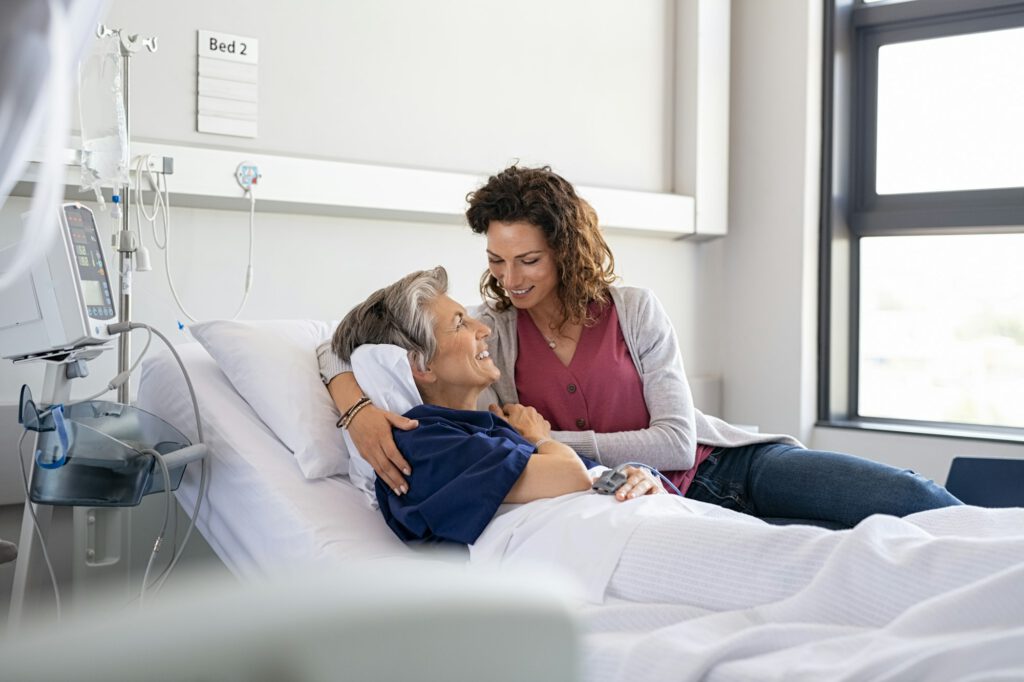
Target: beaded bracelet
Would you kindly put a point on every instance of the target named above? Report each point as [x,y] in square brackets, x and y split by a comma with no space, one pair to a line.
[351,412]
[355,411]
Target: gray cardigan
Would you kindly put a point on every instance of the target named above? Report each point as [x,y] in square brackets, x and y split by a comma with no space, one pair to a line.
[669,443]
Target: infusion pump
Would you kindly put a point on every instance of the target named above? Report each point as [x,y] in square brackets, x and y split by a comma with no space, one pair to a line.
[66,300]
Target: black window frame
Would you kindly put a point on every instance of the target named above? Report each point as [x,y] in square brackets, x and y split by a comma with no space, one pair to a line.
[851,208]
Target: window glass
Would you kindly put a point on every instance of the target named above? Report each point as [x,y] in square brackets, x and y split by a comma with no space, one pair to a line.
[942,328]
[950,113]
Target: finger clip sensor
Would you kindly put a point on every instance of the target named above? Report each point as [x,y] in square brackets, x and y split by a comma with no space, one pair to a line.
[610,481]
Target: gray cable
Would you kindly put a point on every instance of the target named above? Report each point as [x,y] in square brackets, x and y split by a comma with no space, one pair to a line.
[203,482]
[121,327]
[114,383]
[145,349]
[118,380]
[203,477]
[163,528]
[35,523]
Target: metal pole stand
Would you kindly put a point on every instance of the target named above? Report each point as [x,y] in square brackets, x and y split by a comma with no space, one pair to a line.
[125,241]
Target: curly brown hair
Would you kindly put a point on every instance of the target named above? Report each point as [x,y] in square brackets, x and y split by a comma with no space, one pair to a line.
[586,266]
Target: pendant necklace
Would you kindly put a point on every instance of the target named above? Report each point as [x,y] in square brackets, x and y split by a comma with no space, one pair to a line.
[551,341]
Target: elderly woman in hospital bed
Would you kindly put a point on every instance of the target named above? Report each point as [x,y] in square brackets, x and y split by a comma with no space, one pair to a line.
[496,481]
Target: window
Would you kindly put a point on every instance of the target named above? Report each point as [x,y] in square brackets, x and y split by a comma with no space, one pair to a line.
[950,113]
[922,250]
[941,322]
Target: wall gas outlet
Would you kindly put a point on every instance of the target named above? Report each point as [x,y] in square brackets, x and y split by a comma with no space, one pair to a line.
[155,164]
[247,174]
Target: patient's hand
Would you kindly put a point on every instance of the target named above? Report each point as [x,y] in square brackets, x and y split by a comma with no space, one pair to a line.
[526,420]
[639,481]
[371,432]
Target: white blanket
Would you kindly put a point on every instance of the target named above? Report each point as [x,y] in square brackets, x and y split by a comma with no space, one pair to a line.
[583,534]
[938,595]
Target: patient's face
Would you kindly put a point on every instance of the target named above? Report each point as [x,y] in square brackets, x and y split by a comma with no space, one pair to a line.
[461,360]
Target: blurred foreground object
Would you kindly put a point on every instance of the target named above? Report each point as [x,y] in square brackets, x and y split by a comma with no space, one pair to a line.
[40,43]
[394,620]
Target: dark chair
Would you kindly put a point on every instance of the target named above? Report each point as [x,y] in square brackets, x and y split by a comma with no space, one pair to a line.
[987,482]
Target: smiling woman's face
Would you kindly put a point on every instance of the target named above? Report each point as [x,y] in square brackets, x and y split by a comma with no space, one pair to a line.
[461,360]
[520,259]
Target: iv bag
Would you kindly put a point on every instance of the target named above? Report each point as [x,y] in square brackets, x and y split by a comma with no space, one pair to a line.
[103,121]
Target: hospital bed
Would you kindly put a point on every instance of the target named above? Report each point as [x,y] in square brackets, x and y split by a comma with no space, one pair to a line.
[262,515]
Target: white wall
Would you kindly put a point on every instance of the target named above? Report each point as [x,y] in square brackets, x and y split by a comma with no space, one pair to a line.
[459,85]
[761,280]
[767,277]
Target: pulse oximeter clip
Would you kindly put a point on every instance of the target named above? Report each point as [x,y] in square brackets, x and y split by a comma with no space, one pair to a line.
[611,480]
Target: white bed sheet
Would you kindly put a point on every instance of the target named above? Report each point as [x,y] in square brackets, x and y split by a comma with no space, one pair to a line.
[260,514]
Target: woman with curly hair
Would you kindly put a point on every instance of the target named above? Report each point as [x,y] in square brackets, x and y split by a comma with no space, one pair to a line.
[601,363]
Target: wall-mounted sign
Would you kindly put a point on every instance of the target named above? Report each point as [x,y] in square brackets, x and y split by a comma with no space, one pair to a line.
[228,84]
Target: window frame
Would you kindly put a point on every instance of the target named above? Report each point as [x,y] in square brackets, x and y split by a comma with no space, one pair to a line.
[851,208]
[946,212]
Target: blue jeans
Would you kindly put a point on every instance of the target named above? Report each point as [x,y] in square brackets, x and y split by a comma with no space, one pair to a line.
[786,484]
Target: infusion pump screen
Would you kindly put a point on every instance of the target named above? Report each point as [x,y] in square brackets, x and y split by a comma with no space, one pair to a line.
[92,269]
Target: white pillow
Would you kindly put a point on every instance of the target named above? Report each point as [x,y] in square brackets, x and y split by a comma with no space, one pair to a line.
[384,374]
[273,365]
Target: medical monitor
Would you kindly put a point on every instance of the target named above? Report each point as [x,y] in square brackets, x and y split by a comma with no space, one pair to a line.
[66,300]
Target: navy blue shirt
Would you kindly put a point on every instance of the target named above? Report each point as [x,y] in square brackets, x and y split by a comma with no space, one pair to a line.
[464,462]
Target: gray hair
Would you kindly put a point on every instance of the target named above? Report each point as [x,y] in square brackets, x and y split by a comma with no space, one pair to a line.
[398,314]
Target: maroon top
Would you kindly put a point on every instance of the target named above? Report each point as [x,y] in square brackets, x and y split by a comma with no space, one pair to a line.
[599,391]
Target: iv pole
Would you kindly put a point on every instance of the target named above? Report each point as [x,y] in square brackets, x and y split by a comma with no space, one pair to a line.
[125,241]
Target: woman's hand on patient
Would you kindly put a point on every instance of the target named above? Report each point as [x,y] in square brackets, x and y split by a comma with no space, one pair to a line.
[526,420]
[639,482]
[371,432]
